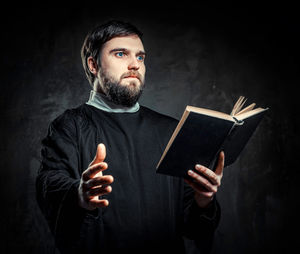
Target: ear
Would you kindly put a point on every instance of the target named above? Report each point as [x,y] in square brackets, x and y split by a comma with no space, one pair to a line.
[93,67]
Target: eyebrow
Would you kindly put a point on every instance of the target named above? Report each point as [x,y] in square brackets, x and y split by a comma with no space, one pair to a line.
[141,52]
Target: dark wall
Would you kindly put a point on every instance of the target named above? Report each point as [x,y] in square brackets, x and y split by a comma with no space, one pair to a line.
[198,55]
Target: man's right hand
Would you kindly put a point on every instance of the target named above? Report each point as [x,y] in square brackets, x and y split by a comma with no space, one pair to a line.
[93,183]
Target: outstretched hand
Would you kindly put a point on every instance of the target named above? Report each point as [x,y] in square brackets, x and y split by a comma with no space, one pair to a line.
[206,182]
[93,183]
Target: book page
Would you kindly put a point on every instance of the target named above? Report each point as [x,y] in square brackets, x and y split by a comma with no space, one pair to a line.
[178,127]
[210,112]
[248,108]
[250,113]
[238,105]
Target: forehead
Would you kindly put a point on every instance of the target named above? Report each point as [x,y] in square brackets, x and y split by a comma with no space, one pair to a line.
[131,42]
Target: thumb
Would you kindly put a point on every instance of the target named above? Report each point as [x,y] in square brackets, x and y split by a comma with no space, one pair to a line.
[100,154]
[220,166]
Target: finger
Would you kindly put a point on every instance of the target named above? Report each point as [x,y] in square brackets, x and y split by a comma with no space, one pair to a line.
[91,171]
[209,174]
[220,166]
[98,181]
[199,189]
[94,203]
[99,191]
[202,181]
[100,154]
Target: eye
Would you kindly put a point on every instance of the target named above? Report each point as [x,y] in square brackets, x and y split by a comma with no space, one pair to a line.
[140,58]
[119,54]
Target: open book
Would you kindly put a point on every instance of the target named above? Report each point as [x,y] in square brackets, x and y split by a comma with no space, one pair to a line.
[202,134]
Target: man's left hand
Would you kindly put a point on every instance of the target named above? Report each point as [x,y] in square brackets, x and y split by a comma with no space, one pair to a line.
[206,182]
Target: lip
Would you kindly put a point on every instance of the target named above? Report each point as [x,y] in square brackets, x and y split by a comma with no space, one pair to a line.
[132,77]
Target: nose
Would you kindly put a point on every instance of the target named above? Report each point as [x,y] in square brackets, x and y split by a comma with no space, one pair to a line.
[133,64]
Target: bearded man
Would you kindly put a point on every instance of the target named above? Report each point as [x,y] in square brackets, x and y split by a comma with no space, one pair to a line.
[114,201]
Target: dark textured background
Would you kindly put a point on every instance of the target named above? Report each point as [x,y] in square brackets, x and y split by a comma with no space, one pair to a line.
[199,55]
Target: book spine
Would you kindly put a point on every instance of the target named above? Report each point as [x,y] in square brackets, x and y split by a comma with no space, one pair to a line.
[237,121]
[214,162]
[223,146]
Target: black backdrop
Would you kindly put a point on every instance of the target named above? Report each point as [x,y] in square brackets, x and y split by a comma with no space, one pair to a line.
[199,55]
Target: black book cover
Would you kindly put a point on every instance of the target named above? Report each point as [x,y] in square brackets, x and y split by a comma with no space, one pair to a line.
[239,137]
[202,137]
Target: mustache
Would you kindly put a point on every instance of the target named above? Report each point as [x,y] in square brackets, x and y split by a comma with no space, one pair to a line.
[135,74]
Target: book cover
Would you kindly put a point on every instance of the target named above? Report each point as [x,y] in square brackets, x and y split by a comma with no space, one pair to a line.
[202,134]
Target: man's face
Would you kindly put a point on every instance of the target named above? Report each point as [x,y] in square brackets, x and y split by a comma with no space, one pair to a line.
[122,71]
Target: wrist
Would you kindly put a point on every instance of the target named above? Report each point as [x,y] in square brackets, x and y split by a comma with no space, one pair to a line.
[203,202]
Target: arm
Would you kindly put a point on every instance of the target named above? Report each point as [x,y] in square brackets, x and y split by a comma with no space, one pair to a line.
[63,193]
[59,176]
[200,223]
[202,211]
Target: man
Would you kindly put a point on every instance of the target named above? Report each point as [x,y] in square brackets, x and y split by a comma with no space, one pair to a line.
[114,202]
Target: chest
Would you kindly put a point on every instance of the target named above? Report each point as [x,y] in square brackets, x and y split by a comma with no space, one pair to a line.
[140,198]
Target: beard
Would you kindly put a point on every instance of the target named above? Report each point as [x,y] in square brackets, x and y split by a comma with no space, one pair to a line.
[124,95]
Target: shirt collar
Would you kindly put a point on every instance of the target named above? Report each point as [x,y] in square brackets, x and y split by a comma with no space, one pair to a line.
[99,101]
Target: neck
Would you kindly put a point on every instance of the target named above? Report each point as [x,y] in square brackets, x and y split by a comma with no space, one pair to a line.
[100,101]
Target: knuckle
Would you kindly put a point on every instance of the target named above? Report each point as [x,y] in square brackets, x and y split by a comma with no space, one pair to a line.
[215,178]
[207,184]
[198,178]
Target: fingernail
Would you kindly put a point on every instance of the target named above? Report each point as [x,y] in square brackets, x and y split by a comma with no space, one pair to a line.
[190,172]
[198,166]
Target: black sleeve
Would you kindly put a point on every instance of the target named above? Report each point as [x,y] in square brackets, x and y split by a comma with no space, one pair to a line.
[58,179]
[200,224]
